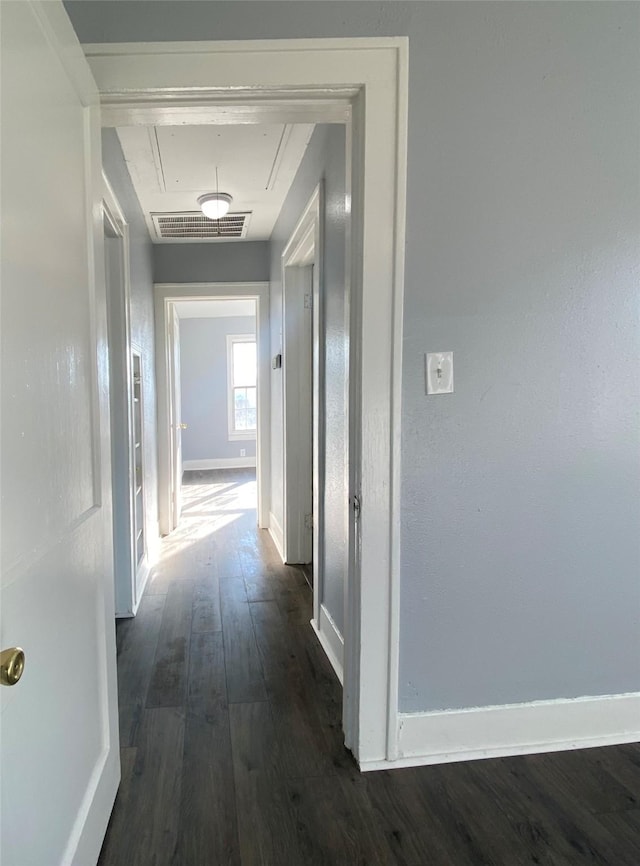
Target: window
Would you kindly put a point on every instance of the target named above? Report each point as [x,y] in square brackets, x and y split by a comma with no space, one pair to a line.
[242,375]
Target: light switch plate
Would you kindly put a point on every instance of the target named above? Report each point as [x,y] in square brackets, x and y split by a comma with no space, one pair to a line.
[439,371]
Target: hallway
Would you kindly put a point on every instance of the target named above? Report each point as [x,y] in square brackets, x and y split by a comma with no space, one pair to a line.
[232,749]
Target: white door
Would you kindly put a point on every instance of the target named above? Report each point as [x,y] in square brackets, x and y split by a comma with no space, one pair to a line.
[298,407]
[175,415]
[59,745]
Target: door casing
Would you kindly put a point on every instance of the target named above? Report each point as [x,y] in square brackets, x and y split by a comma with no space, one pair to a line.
[130,579]
[303,249]
[174,418]
[301,407]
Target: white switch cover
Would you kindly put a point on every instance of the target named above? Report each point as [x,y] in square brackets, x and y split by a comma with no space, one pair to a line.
[439,369]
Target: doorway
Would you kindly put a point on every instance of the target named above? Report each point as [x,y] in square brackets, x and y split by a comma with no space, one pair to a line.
[218,395]
[363,83]
[131,562]
[317,407]
[202,408]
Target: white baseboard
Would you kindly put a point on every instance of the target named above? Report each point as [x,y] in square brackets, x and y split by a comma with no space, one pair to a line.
[153,544]
[141,578]
[331,640]
[219,463]
[514,729]
[276,533]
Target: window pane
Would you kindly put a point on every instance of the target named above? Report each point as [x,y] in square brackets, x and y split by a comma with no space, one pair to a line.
[244,413]
[244,364]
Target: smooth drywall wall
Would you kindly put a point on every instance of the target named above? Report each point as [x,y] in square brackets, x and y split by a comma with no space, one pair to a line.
[239,262]
[141,316]
[521,491]
[520,497]
[324,161]
[204,387]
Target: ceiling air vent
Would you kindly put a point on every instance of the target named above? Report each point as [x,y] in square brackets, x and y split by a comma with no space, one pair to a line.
[194,226]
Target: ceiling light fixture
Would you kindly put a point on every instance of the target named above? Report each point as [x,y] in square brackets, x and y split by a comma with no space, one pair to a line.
[215,205]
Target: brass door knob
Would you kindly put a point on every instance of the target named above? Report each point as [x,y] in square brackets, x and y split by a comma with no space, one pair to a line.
[182,426]
[11,665]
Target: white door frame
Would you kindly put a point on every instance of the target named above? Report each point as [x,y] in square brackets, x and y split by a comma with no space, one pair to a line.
[363,82]
[129,580]
[301,410]
[165,296]
[173,423]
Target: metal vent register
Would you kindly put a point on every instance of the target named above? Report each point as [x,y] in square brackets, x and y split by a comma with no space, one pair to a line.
[194,226]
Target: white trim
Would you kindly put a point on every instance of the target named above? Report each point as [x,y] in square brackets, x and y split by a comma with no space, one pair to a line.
[84,837]
[514,729]
[165,295]
[142,575]
[136,350]
[219,463]
[331,640]
[303,459]
[121,350]
[233,434]
[364,81]
[393,661]
[275,531]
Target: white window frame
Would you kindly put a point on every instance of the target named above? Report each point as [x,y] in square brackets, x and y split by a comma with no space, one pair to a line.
[236,435]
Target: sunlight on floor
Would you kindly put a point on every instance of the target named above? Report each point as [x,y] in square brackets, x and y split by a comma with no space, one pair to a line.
[209,507]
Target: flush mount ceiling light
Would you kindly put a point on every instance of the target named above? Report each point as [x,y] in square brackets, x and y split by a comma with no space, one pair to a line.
[215,205]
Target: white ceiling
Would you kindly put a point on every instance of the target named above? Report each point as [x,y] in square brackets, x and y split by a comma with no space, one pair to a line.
[215,308]
[170,166]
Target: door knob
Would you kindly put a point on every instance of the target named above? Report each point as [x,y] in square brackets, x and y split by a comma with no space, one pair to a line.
[182,426]
[11,665]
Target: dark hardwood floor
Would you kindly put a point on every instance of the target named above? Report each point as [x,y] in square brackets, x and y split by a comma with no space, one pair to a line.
[231,744]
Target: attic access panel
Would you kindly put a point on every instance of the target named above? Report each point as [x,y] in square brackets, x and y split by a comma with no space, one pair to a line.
[194,226]
[247,156]
[171,165]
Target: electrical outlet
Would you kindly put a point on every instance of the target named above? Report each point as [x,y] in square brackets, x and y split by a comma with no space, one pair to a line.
[243,452]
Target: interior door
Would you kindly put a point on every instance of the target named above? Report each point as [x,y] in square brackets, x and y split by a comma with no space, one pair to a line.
[298,433]
[176,415]
[59,746]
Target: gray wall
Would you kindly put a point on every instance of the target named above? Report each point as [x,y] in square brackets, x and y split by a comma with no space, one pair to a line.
[324,160]
[520,492]
[211,263]
[203,383]
[142,321]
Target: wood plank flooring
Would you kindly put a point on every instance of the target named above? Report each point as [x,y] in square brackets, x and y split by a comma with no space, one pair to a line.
[232,751]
